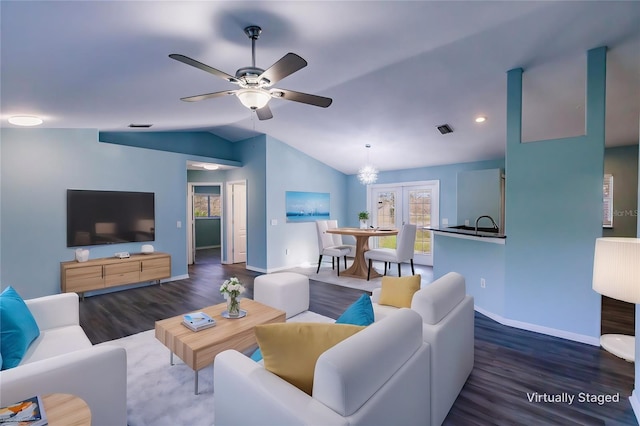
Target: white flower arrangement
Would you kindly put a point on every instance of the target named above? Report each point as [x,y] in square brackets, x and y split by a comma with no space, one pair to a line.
[232,288]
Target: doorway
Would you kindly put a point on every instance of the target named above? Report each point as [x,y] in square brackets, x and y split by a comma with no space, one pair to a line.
[417,203]
[205,217]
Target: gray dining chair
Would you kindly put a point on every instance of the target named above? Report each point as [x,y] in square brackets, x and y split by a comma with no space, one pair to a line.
[402,253]
[327,246]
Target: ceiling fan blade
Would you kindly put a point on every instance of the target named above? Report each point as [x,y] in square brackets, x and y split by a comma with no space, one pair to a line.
[264,113]
[286,66]
[203,67]
[208,96]
[305,98]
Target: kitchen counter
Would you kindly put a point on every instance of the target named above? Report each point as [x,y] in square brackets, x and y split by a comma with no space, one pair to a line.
[483,234]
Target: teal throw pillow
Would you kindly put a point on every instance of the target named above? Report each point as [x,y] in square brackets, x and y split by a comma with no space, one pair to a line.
[257,355]
[359,313]
[18,328]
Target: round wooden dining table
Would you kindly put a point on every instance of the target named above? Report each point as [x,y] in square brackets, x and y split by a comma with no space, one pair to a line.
[359,267]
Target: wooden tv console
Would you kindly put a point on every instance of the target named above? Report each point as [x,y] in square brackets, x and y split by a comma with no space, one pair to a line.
[106,272]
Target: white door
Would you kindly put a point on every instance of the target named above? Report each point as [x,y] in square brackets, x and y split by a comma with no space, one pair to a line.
[239,222]
[414,203]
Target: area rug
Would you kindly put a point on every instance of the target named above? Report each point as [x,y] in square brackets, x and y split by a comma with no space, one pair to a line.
[160,394]
[329,276]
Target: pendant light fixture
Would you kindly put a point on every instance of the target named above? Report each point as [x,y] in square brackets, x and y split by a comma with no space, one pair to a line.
[367,174]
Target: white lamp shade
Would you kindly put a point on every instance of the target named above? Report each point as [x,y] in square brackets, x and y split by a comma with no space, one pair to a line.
[253,98]
[616,268]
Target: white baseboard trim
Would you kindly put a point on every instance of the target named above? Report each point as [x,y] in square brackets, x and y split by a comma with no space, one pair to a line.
[255,269]
[175,278]
[635,404]
[595,341]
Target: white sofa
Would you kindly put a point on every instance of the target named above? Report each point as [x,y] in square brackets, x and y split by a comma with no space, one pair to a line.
[448,326]
[63,360]
[379,376]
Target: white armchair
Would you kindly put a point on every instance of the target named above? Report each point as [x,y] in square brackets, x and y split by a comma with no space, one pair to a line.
[63,360]
[378,376]
[448,326]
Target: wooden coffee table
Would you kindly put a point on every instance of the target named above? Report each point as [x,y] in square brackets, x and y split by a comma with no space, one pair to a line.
[198,349]
[65,409]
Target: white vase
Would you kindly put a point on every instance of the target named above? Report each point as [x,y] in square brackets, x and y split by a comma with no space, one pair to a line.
[363,224]
[82,255]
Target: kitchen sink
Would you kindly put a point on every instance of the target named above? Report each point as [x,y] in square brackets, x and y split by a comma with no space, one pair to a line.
[472,228]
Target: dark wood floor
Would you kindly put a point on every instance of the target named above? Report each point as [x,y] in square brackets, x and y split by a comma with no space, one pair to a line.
[510,364]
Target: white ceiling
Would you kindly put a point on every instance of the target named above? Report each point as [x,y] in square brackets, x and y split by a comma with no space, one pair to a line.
[395,70]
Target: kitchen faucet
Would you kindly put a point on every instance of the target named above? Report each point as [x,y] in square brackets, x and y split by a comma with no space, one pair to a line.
[492,221]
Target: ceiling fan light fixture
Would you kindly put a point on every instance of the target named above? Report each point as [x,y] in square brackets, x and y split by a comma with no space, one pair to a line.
[253,98]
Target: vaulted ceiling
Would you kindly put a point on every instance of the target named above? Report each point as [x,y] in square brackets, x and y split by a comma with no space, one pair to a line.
[395,70]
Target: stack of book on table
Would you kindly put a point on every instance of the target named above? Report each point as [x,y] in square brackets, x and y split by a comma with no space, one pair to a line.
[197,321]
[29,412]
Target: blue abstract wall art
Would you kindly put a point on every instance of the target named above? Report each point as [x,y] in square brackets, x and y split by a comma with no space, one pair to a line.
[307,206]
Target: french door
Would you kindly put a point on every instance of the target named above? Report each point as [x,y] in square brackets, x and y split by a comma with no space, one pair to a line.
[417,203]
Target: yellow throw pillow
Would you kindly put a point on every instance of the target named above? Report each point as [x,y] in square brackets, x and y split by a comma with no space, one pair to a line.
[290,350]
[398,291]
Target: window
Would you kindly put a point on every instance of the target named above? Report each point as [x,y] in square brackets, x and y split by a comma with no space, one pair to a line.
[607,201]
[206,205]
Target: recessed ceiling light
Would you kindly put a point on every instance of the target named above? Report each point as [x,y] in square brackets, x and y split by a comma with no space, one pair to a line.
[25,120]
[481,119]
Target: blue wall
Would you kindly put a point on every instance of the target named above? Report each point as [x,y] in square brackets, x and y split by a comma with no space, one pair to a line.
[475,260]
[207,232]
[39,165]
[554,214]
[479,195]
[290,170]
[196,143]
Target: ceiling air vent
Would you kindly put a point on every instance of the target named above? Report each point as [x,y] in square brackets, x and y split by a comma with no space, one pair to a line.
[444,129]
[140,126]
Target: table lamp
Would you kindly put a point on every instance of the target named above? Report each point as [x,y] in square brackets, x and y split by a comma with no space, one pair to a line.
[616,274]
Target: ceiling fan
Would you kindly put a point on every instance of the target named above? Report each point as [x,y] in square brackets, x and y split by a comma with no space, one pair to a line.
[255,83]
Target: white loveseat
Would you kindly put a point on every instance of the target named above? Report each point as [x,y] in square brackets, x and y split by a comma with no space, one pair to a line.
[379,376]
[63,360]
[448,326]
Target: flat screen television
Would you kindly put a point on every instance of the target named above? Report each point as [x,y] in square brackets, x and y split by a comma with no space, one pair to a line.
[109,217]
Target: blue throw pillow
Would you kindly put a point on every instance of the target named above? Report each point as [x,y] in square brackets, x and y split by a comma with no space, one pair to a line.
[257,355]
[359,313]
[18,328]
